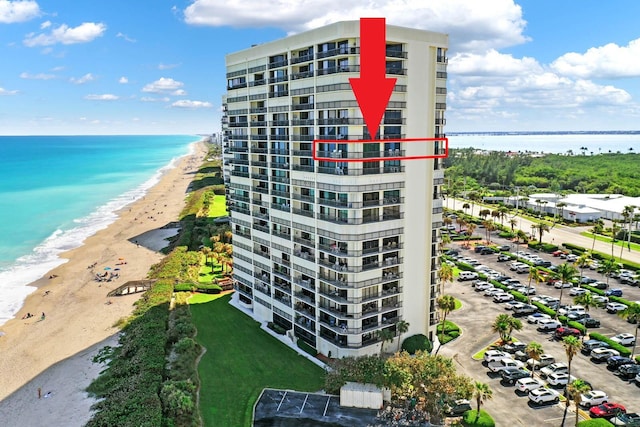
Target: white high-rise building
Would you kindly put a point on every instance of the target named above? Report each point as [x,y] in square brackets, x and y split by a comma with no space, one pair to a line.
[335,251]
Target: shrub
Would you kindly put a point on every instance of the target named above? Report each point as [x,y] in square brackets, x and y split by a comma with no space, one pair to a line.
[184,287]
[276,328]
[484,420]
[519,297]
[595,422]
[417,342]
[544,309]
[577,326]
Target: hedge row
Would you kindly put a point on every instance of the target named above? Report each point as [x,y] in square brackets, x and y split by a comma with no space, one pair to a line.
[579,250]
[198,287]
[624,351]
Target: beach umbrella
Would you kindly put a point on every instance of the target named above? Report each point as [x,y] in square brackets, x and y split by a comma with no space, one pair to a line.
[107,268]
[121,258]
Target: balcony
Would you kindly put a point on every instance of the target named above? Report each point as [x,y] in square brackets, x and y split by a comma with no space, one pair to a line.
[304,168]
[278,79]
[240,173]
[277,64]
[304,212]
[280,123]
[307,106]
[278,165]
[302,122]
[258,82]
[263,228]
[302,58]
[259,189]
[238,124]
[279,151]
[258,123]
[304,241]
[281,207]
[305,283]
[301,75]
[295,137]
[393,53]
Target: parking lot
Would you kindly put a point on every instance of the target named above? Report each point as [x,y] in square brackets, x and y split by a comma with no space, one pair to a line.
[476,317]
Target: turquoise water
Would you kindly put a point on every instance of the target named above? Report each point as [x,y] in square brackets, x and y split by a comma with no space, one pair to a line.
[56,191]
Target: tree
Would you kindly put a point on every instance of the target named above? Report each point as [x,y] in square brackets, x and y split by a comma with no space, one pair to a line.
[503,211]
[561,206]
[534,351]
[565,273]
[586,300]
[582,262]
[481,393]
[513,222]
[627,214]
[632,314]
[487,229]
[206,251]
[615,228]
[504,325]
[597,229]
[521,236]
[401,328]
[609,267]
[542,228]
[445,275]
[465,206]
[446,303]
[385,335]
[484,213]
[576,389]
[471,227]
[537,276]
[572,346]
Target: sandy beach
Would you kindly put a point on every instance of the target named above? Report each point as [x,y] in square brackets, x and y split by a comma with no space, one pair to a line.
[77,312]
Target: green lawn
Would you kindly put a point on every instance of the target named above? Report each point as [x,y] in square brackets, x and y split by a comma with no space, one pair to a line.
[618,243]
[219,207]
[206,274]
[240,361]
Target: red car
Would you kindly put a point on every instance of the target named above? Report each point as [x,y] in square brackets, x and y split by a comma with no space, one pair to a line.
[606,410]
[563,331]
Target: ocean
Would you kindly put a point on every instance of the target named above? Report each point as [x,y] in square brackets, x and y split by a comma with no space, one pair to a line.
[55,191]
[595,143]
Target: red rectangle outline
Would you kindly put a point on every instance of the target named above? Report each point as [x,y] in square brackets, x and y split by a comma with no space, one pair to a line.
[379,159]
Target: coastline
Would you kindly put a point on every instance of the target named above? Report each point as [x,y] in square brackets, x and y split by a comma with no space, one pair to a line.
[77,315]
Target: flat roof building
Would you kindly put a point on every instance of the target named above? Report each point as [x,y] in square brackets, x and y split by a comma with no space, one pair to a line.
[337,250]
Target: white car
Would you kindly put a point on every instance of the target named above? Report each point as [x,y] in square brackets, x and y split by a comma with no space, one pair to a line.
[554,368]
[614,307]
[593,398]
[561,378]
[545,360]
[600,299]
[537,317]
[492,291]
[525,385]
[502,297]
[572,309]
[577,291]
[560,285]
[543,395]
[601,354]
[624,339]
[495,355]
[548,325]
[513,305]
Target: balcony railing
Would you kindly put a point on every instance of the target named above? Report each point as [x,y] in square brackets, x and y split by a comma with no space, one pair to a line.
[304,168]
[277,64]
[307,106]
[302,58]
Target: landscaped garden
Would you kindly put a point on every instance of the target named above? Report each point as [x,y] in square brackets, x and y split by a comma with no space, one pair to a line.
[241,360]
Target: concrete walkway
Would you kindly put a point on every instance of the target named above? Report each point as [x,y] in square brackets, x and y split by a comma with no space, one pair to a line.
[558,234]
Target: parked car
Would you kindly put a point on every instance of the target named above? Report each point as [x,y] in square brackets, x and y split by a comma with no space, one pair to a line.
[514,347]
[628,419]
[525,309]
[577,291]
[563,331]
[601,354]
[504,258]
[542,263]
[606,410]
[589,322]
[537,317]
[554,368]
[545,360]
[600,285]
[487,251]
[614,307]
[495,355]
[615,362]
[548,325]
[525,385]
[628,372]
[600,299]
[577,315]
[560,285]
[625,339]
[457,407]
[593,398]
[511,375]
[590,345]
[565,310]
[561,378]
[613,292]
[543,395]
[505,363]
[467,275]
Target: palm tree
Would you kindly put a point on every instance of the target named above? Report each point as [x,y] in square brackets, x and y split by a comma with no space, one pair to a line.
[385,335]
[534,351]
[576,389]
[534,275]
[465,206]
[513,222]
[615,228]
[521,235]
[586,300]
[608,267]
[597,229]
[572,346]
[474,196]
[481,392]
[561,206]
[565,273]
[627,214]
[542,228]
[504,325]
[445,239]
[490,228]
[582,262]
[401,328]
[445,275]
[632,314]
[503,211]
[487,229]
[206,251]
[446,303]
[484,213]
[471,227]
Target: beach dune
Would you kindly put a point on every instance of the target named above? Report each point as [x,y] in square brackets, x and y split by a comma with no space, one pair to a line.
[71,310]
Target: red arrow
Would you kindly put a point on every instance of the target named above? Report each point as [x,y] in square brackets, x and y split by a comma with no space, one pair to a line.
[372,89]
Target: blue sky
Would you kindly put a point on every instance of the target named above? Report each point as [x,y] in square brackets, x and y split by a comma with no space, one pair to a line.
[155,67]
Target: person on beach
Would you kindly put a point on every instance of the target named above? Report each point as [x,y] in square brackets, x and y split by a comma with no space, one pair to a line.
[43,316]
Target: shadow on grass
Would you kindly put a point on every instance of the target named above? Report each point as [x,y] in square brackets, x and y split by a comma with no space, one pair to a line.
[241,360]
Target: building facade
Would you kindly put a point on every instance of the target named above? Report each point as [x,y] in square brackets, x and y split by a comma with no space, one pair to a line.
[334,251]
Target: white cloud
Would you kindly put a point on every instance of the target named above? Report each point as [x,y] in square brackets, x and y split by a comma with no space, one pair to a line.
[125,37]
[167,66]
[81,80]
[604,62]
[18,11]
[83,33]
[491,63]
[39,76]
[102,97]
[179,92]
[123,80]
[472,25]
[152,99]
[58,68]
[185,103]
[45,24]
[4,92]
[163,84]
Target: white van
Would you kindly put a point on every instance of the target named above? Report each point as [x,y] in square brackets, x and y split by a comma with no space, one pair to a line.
[467,275]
